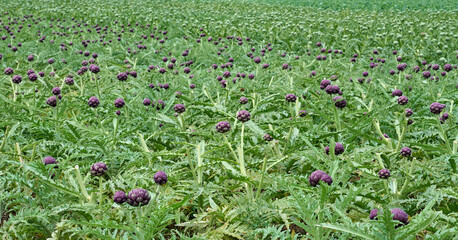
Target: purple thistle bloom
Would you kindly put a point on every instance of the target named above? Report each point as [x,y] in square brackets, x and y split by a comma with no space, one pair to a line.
[160,105]
[338,149]
[290,97]
[448,67]
[243,116]
[408,112]
[119,197]
[160,178]
[436,107]
[93,102]
[406,152]
[56,91]
[146,102]
[339,102]
[49,160]
[332,89]
[138,197]
[243,100]
[179,108]
[51,61]
[373,214]
[435,67]
[223,127]
[119,103]
[17,79]
[396,92]
[403,100]
[365,74]
[94,69]
[400,215]
[98,169]
[69,81]
[33,77]
[318,175]
[122,76]
[324,83]
[302,113]
[384,174]
[267,137]
[426,74]
[52,101]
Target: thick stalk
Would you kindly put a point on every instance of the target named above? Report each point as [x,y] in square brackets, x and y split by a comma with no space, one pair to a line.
[444,136]
[263,171]
[230,148]
[80,182]
[100,190]
[407,177]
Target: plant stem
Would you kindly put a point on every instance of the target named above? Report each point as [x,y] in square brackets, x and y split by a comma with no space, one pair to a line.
[263,171]
[402,135]
[407,178]
[444,136]
[230,147]
[100,190]
[80,182]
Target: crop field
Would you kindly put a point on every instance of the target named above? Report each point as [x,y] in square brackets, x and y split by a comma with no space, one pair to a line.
[242,119]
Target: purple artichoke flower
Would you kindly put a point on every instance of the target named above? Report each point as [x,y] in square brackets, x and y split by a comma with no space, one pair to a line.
[119,197]
[49,160]
[243,116]
[119,103]
[160,178]
[406,152]
[400,215]
[384,174]
[267,137]
[339,102]
[56,91]
[373,214]
[243,100]
[365,74]
[223,127]
[324,83]
[332,89]
[179,108]
[94,69]
[396,92]
[403,100]
[160,105]
[408,112]
[338,149]
[69,81]
[52,101]
[302,113]
[318,175]
[290,97]
[146,102]
[98,169]
[17,79]
[436,107]
[448,67]
[51,61]
[33,77]
[122,76]
[426,74]
[93,102]
[138,197]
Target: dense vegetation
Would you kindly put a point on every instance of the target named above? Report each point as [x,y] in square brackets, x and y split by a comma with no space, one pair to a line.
[228,119]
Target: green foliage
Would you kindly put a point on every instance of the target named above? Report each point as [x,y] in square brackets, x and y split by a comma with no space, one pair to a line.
[234,185]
